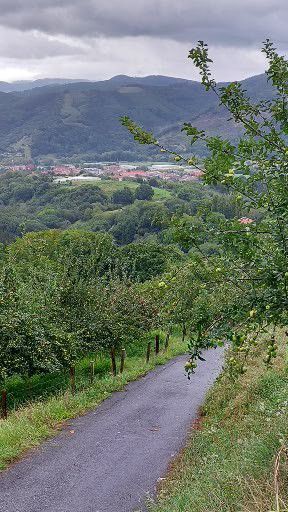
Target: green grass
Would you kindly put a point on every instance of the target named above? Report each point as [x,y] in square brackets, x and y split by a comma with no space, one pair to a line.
[110,186]
[228,463]
[161,193]
[28,426]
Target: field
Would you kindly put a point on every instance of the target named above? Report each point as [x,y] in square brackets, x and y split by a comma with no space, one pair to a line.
[110,186]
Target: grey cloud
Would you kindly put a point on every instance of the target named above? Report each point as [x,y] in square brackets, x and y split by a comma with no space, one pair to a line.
[32,45]
[223,22]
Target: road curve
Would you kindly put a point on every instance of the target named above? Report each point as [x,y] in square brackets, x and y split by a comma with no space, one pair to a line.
[110,459]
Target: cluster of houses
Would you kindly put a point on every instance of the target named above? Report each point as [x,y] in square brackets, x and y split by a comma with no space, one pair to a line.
[123,171]
[116,171]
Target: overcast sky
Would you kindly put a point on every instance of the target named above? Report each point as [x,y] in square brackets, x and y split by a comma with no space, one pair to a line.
[97,39]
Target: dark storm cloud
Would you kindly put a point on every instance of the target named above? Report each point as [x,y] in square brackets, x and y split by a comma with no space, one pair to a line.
[222,22]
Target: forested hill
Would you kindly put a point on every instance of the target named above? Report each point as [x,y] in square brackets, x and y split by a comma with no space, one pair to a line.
[83,118]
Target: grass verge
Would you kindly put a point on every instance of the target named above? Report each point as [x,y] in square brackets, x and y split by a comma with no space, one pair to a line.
[228,463]
[29,426]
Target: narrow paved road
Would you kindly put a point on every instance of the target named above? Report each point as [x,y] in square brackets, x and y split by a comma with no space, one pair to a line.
[117,452]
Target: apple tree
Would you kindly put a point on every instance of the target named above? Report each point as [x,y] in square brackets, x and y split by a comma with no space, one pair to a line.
[253,261]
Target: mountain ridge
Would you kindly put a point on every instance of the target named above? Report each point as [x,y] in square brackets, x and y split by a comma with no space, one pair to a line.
[82,118]
[23,85]
[163,80]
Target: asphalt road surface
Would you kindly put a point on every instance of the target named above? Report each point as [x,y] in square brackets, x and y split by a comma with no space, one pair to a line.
[110,459]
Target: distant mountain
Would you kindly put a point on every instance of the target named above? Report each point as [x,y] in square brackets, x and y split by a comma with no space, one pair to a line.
[82,118]
[23,85]
[157,80]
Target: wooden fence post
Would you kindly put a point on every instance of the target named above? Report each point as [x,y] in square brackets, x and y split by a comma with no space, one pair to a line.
[92,371]
[72,380]
[4,404]
[123,356]
[167,340]
[157,344]
[113,362]
[148,352]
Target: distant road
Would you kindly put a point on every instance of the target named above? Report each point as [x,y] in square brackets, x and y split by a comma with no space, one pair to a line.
[110,459]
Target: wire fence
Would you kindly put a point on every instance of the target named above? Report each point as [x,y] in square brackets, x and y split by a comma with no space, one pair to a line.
[23,391]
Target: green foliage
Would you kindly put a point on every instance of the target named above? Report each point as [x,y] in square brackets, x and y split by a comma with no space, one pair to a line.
[145,260]
[93,207]
[76,290]
[30,342]
[63,294]
[144,192]
[124,196]
[245,284]
[52,206]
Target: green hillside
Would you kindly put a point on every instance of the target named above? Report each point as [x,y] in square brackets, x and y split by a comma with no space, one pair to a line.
[36,202]
[83,118]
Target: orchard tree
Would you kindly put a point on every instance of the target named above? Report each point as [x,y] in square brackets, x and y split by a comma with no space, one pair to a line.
[71,252]
[193,298]
[147,259]
[254,261]
[45,285]
[110,314]
[31,339]
[125,314]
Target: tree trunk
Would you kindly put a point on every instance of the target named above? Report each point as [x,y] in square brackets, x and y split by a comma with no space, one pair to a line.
[184,332]
[157,344]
